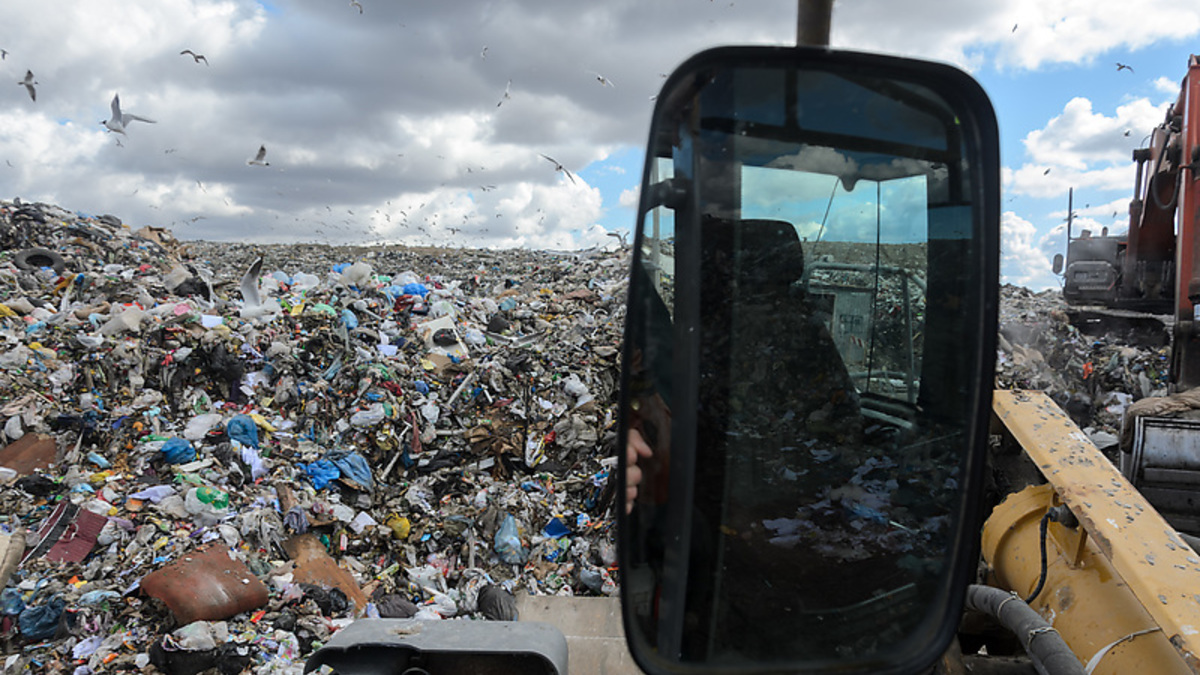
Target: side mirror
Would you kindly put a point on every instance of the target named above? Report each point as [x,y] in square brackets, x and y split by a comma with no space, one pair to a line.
[1057,265]
[808,364]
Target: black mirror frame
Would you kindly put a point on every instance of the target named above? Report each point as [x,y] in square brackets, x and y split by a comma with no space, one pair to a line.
[981,137]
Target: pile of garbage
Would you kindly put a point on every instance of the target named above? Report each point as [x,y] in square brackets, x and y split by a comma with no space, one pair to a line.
[216,455]
[1093,378]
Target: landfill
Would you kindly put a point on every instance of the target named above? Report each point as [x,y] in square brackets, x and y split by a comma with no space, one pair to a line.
[1093,375]
[215,455]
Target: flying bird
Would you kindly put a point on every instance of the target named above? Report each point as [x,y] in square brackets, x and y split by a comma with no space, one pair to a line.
[507,96]
[1122,66]
[29,82]
[253,305]
[3,54]
[259,159]
[197,58]
[559,167]
[604,81]
[119,119]
[1046,172]
[356,3]
[483,54]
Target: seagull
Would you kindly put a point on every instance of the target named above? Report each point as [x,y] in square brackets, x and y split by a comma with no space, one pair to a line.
[1122,66]
[356,3]
[559,167]
[119,119]
[29,82]
[604,81]
[507,87]
[483,54]
[261,158]
[253,305]
[1046,172]
[195,57]
[3,54]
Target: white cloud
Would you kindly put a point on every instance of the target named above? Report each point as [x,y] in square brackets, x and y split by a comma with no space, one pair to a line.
[1063,32]
[629,197]
[1167,86]
[1023,261]
[1080,137]
[398,105]
[1083,149]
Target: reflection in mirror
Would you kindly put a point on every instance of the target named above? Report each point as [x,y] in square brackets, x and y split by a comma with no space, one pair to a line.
[799,395]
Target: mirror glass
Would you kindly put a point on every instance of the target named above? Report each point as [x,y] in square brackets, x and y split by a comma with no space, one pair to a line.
[804,361]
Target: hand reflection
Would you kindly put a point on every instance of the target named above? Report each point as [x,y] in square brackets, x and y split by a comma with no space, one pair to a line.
[635,447]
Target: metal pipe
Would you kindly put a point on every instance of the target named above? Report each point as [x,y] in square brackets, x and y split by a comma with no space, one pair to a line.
[813,18]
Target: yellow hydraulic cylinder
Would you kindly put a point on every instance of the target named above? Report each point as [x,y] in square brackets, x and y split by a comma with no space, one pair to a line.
[1121,584]
[1083,598]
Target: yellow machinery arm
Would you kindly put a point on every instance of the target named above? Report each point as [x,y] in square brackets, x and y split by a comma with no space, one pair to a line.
[1121,588]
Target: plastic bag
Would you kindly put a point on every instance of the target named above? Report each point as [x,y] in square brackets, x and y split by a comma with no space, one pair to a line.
[416,289]
[243,430]
[208,505]
[178,451]
[198,426]
[41,623]
[508,542]
[352,466]
[369,417]
[11,602]
[321,473]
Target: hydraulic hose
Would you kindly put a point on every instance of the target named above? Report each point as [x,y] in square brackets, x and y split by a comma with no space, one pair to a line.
[1041,575]
[1045,647]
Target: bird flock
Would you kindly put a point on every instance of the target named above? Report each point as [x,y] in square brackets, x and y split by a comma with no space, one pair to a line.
[120,124]
[119,121]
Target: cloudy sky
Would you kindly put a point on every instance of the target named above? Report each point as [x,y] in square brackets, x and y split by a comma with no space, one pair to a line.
[426,122]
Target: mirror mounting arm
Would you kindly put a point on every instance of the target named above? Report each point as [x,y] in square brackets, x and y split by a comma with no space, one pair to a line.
[813,20]
[671,193]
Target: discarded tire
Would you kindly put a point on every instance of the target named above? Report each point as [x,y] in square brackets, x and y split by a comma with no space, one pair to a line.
[37,258]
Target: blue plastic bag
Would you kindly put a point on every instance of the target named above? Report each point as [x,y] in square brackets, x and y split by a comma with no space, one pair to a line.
[178,451]
[321,473]
[243,430]
[508,542]
[11,602]
[353,466]
[556,529]
[349,319]
[41,623]
[416,289]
